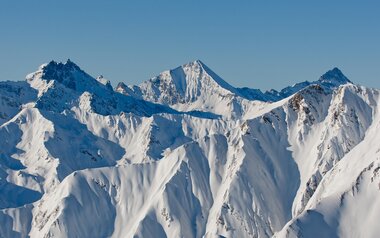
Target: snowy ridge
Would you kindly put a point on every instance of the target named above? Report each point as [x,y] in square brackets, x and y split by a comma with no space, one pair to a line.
[185,154]
[330,80]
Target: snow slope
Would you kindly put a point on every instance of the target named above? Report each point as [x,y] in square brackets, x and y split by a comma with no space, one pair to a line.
[346,203]
[185,154]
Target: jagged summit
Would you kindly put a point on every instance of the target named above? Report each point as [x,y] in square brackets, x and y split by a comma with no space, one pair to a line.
[59,71]
[68,74]
[59,66]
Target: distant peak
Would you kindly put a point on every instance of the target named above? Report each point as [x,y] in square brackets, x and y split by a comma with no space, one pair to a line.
[121,84]
[68,74]
[199,66]
[334,75]
[59,66]
[122,88]
[333,72]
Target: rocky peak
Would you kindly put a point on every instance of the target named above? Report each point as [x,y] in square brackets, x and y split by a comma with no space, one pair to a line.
[69,75]
[334,77]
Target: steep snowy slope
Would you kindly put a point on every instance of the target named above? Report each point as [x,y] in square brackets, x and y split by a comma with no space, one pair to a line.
[13,96]
[344,126]
[78,159]
[190,192]
[346,204]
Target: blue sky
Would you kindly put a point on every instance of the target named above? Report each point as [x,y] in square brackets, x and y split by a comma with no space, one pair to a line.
[259,44]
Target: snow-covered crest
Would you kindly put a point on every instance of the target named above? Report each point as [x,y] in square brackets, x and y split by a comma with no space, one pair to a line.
[156,160]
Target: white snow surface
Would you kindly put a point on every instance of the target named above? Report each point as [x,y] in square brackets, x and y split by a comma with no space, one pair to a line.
[185,154]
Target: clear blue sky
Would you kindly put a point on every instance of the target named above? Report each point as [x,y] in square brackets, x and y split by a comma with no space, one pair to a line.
[259,44]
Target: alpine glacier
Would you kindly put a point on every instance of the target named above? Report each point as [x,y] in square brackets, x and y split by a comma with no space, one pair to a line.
[185,154]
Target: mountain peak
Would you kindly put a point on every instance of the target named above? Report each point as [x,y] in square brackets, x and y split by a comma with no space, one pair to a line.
[68,74]
[59,66]
[199,67]
[185,84]
[334,76]
[196,66]
[194,63]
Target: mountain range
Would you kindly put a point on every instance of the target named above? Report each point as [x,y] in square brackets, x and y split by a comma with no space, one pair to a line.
[186,154]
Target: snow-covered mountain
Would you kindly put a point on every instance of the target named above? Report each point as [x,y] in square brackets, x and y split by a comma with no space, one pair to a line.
[185,154]
[190,87]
